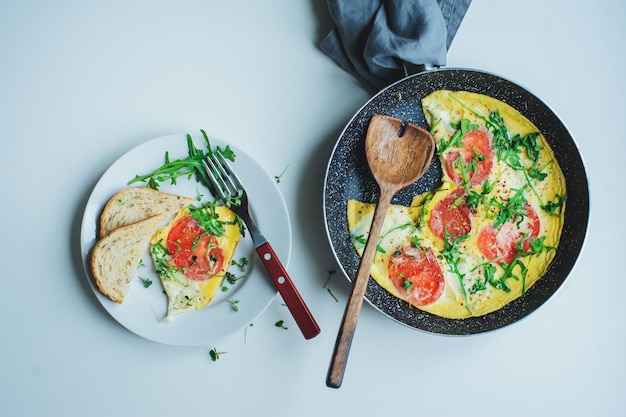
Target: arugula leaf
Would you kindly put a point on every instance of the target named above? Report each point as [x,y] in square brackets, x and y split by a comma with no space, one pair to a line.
[185,167]
[537,246]
[475,199]
[452,253]
[536,173]
[509,269]
[555,207]
[361,240]
[161,257]
[468,168]
[489,276]
[529,144]
[513,208]
[427,199]
[510,149]
[455,141]
[227,152]
[208,218]
[495,123]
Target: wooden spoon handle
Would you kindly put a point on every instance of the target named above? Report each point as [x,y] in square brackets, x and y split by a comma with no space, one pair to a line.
[353,308]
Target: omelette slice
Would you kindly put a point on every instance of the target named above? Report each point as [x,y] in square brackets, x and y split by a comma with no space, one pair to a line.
[192,254]
[490,231]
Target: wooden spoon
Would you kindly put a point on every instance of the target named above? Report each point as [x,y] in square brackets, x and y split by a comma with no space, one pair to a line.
[398,155]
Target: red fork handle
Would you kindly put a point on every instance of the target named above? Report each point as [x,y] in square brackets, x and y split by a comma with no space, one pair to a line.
[300,312]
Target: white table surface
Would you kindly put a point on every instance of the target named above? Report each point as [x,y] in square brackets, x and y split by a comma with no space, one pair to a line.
[82,82]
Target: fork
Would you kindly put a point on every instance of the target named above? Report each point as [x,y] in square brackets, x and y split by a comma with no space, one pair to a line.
[231,191]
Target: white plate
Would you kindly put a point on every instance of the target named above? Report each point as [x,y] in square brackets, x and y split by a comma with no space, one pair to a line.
[144,307]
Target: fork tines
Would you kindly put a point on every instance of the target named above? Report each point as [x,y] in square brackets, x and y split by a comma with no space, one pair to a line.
[222,177]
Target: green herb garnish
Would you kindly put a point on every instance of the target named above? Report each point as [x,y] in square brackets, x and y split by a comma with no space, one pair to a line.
[234,304]
[513,208]
[215,355]
[146,282]
[489,276]
[475,199]
[162,258]
[330,274]
[185,167]
[281,324]
[452,253]
[455,141]
[555,207]
[278,178]
[242,263]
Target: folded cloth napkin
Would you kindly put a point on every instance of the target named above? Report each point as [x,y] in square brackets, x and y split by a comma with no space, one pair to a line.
[377,40]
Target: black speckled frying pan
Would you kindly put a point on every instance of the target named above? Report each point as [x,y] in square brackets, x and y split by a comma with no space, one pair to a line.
[348,176]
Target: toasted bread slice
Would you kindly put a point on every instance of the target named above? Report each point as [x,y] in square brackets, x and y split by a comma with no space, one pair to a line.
[131,205]
[115,257]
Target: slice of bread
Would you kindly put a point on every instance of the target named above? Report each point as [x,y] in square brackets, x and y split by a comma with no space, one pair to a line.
[130,205]
[115,257]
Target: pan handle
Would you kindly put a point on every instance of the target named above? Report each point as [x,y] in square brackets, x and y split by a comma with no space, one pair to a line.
[411,69]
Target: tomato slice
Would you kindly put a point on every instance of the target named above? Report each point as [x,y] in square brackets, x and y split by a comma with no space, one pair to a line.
[193,252]
[417,275]
[452,215]
[502,243]
[476,143]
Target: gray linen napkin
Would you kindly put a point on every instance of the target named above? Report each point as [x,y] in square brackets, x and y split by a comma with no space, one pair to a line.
[378,40]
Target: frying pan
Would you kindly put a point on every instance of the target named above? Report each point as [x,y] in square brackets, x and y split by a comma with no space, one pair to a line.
[348,177]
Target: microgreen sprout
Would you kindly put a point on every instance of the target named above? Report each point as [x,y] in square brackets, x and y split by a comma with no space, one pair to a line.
[215,355]
[146,282]
[245,332]
[279,177]
[234,304]
[330,274]
[281,324]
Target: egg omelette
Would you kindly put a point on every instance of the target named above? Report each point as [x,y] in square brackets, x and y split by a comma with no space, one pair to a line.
[490,231]
[192,254]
